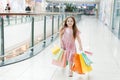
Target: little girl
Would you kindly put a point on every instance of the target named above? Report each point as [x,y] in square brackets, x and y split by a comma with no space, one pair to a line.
[68,33]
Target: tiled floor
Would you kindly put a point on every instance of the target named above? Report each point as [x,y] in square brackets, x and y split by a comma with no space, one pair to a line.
[95,38]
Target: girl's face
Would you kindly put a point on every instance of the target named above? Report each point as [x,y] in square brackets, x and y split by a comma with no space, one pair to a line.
[70,22]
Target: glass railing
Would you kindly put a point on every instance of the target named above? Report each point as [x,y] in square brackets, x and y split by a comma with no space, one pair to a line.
[26,34]
[13,19]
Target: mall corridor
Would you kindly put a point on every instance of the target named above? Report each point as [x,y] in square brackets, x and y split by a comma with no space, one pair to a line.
[95,36]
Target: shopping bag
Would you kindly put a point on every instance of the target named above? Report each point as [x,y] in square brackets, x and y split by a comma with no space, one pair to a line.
[55,50]
[85,68]
[58,56]
[62,62]
[86,59]
[76,67]
[87,52]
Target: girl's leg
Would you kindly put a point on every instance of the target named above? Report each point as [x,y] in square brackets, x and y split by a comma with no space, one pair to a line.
[70,62]
[70,71]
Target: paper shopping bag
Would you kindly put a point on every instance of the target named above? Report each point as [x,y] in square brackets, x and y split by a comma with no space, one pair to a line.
[58,56]
[86,59]
[55,50]
[85,68]
[77,64]
[87,52]
[61,62]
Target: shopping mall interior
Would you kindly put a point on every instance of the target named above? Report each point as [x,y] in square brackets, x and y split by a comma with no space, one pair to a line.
[30,29]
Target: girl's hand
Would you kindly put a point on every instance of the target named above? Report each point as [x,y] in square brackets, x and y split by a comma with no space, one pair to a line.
[80,49]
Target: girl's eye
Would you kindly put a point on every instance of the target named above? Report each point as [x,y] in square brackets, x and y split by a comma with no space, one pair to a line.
[69,21]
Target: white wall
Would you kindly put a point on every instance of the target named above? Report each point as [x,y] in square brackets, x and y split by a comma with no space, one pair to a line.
[17,5]
[2,5]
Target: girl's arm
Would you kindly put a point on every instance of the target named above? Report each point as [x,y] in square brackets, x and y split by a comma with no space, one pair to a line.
[79,42]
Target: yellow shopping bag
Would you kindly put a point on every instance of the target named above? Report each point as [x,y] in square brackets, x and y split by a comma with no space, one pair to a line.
[85,68]
[55,50]
[58,56]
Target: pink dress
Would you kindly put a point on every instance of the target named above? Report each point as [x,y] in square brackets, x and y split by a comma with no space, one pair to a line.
[68,44]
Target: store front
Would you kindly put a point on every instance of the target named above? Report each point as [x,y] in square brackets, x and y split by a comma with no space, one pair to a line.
[110,15]
[86,7]
[106,12]
[116,19]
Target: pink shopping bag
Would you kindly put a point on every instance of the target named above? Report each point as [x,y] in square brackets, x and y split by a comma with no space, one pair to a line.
[87,52]
[62,62]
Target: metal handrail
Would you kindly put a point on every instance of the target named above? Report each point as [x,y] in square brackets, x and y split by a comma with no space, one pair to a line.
[41,13]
